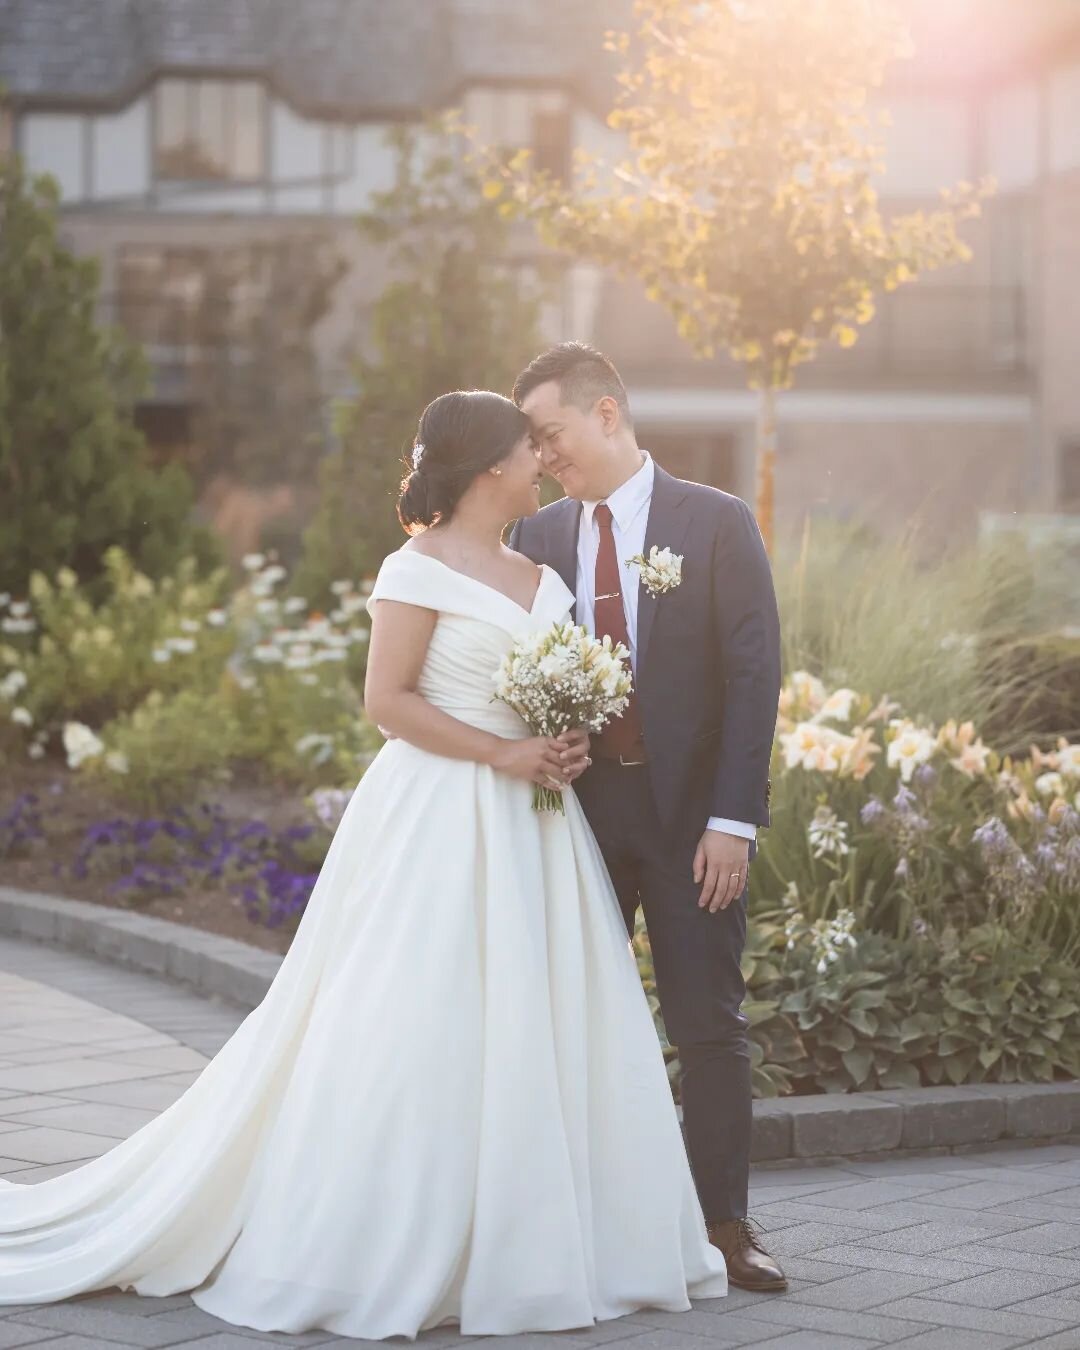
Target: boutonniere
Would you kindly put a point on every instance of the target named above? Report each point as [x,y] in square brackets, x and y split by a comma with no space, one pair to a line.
[660,572]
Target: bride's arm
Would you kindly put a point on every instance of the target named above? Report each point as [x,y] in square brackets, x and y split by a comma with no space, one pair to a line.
[400,634]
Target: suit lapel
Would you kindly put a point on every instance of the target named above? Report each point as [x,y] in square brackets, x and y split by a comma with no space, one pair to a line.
[563,538]
[668,520]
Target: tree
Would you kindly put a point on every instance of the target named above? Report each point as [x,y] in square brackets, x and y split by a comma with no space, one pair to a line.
[74,477]
[256,387]
[457,315]
[746,204]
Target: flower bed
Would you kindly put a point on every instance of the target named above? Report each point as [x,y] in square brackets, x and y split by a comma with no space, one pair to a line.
[916,903]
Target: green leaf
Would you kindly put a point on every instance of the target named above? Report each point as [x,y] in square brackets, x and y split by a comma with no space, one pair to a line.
[864,1022]
[858,1062]
[899,1075]
[989,1055]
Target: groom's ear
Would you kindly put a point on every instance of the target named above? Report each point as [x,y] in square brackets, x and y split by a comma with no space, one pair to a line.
[608,411]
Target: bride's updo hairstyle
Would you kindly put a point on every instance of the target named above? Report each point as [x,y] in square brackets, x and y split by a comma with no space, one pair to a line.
[461,435]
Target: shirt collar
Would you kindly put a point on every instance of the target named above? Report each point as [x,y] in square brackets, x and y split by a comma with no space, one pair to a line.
[628,499]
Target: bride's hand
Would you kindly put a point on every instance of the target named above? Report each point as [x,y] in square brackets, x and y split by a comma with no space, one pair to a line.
[574,753]
[536,760]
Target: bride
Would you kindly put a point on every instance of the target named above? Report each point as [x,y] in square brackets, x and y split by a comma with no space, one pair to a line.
[451,1106]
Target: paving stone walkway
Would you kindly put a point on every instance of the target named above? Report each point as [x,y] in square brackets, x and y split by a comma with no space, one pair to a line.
[979,1252]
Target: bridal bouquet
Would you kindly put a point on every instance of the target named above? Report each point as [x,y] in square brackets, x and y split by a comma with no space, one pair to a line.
[562,679]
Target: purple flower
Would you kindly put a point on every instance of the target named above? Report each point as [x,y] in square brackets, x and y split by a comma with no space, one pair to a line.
[905,800]
[873,813]
[168,854]
[925,776]
[995,842]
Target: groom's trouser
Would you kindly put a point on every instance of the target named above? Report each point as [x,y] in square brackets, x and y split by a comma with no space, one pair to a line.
[696,958]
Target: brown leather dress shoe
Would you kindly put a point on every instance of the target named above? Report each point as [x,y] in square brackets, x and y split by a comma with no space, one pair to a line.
[749,1265]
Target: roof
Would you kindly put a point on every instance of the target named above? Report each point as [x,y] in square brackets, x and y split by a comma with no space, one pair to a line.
[403,58]
[347,58]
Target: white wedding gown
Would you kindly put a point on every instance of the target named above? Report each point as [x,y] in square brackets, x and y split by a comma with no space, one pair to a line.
[451,1105]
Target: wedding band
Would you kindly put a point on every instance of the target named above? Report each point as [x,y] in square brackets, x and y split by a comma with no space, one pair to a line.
[734,876]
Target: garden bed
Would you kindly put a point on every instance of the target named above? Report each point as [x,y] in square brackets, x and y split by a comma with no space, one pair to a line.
[72,807]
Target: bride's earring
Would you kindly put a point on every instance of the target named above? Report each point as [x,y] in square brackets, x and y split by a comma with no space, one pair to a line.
[497,472]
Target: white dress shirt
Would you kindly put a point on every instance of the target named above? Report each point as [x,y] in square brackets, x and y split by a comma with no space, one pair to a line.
[629,506]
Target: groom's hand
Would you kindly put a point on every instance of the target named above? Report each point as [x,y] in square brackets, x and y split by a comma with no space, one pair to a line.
[574,753]
[720,866]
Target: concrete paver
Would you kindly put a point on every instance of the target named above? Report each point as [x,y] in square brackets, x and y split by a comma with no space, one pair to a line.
[972,1252]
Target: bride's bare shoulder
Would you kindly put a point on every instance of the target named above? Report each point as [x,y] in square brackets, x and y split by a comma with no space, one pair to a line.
[420,543]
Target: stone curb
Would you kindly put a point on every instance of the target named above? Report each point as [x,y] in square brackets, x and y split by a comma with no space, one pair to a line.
[217,966]
[806,1129]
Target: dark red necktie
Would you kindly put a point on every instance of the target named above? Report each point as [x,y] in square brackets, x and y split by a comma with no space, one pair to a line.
[622,735]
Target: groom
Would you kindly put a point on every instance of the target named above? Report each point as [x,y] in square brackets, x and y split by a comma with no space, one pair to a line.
[680,782]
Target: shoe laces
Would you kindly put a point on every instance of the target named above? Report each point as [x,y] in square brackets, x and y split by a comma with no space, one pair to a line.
[748,1234]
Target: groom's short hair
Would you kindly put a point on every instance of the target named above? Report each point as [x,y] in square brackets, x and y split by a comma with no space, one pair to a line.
[583,374]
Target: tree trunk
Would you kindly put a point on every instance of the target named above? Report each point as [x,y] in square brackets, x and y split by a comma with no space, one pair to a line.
[766,463]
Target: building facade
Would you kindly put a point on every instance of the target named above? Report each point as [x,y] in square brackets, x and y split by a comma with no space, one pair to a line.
[176,128]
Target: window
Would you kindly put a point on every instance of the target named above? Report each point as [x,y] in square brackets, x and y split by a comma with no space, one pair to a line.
[209,130]
[160,293]
[551,141]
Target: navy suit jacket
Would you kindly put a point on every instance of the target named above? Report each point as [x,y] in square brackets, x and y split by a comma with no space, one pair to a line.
[708,652]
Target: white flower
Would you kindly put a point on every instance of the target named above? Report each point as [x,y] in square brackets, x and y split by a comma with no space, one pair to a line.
[141,586]
[190,625]
[300,657]
[660,572]
[268,653]
[341,587]
[555,664]
[1068,758]
[161,655]
[23,716]
[217,618]
[5,596]
[329,805]
[837,707]
[972,760]
[318,746]
[36,751]
[910,747]
[117,761]
[20,608]
[359,635]
[12,683]
[253,561]
[267,608]
[181,644]
[80,743]
[296,604]
[1050,785]
[827,833]
[17,625]
[272,575]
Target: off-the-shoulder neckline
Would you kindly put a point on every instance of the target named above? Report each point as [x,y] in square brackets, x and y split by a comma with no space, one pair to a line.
[543,567]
